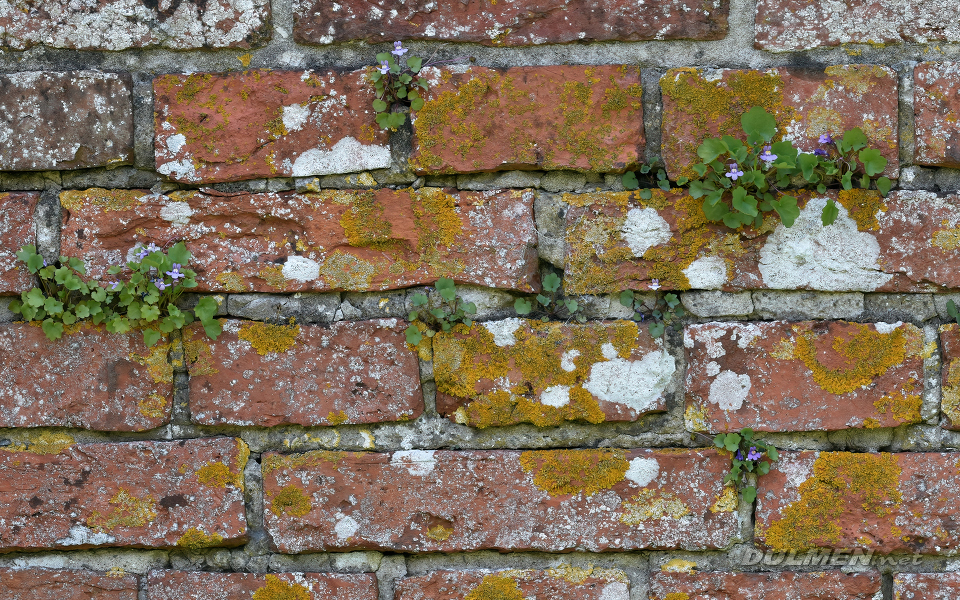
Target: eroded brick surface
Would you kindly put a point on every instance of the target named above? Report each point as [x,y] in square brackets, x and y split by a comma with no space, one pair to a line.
[16,231]
[558,500]
[194,585]
[936,110]
[333,240]
[57,584]
[147,494]
[784,25]
[950,382]
[507,23]
[926,586]
[227,127]
[699,104]
[906,242]
[778,586]
[71,120]
[90,379]
[561,583]
[810,376]
[886,503]
[122,24]
[262,374]
[524,371]
[587,118]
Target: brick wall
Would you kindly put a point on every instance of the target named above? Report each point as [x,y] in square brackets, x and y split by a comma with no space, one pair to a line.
[516,458]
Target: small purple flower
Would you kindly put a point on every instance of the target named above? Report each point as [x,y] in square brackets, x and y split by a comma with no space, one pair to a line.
[655,285]
[115,285]
[766,156]
[384,67]
[44,262]
[734,172]
[826,138]
[820,152]
[739,455]
[753,454]
[398,49]
[160,284]
[175,273]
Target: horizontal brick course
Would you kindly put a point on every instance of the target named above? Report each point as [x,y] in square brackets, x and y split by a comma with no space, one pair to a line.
[428,501]
[16,231]
[770,586]
[936,110]
[561,583]
[194,585]
[66,584]
[926,586]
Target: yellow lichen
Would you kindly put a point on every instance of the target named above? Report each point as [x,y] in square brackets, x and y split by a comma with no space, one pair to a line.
[272,462]
[217,475]
[863,206]
[947,239]
[726,501]
[273,276]
[857,78]
[867,354]
[784,349]
[153,406]
[364,223]
[105,200]
[337,418]
[439,533]
[562,472]
[291,500]
[677,596]
[496,587]
[345,271]
[194,540]
[904,407]
[277,589]
[231,281]
[41,442]
[695,418]
[950,403]
[157,363]
[871,423]
[267,338]
[648,505]
[678,565]
[577,575]
[130,511]
[116,572]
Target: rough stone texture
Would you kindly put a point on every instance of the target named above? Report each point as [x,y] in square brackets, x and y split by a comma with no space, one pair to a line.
[194,585]
[228,127]
[899,307]
[122,24]
[90,379]
[950,382]
[334,240]
[71,120]
[265,375]
[525,371]
[567,583]
[507,23]
[906,242]
[587,118]
[497,181]
[146,494]
[305,308]
[698,104]
[770,586]
[936,108]
[886,503]
[57,584]
[428,501]
[926,586]
[812,376]
[808,305]
[785,25]
[717,304]
[16,231]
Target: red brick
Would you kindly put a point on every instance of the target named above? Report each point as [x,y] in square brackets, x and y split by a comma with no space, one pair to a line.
[194,585]
[811,376]
[785,25]
[122,24]
[72,120]
[555,500]
[145,494]
[906,242]
[334,240]
[561,583]
[523,371]
[936,109]
[518,23]
[57,584]
[115,382]
[16,231]
[769,586]
[805,103]
[266,375]
[950,382]
[232,126]
[558,117]
[885,503]
[926,586]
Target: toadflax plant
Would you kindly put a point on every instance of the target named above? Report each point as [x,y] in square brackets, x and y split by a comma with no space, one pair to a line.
[146,301]
[396,81]
[748,457]
[451,310]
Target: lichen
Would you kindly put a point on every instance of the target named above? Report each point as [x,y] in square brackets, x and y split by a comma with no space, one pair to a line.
[273,276]
[726,501]
[277,589]
[904,407]
[563,472]
[867,354]
[364,223]
[695,418]
[43,443]
[291,500]
[678,565]
[677,596]
[950,403]
[863,206]
[313,458]
[439,533]
[947,239]
[648,505]
[130,511]
[344,271]
[153,406]
[158,366]
[267,338]
[216,474]
[105,200]
[496,587]
[195,540]
[231,281]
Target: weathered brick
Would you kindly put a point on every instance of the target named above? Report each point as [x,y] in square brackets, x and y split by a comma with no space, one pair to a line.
[334,240]
[785,25]
[779,586]
[926,586]
[195,585]
[115,382]
[950,399]
[554,500]
[518,23]
[936,110]
[523,371]
[558,117]
[810,376]
[906,242]
[232,126]
[561,583]
[146,494]
[122,24]
[887,503]
[262,374]
[16,231]
[699,104]
[71,120]
[64,584]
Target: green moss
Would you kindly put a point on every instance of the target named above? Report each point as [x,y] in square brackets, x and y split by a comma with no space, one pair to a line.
[563,472]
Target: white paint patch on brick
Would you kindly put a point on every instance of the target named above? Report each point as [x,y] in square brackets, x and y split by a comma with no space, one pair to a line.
[707,273]
[556,396]
[416,462]
[637,384]
[643,229]
[642,471]
[503,331]
[729,390]
[347,156]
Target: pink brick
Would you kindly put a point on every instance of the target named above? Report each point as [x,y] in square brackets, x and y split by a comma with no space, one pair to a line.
[16,231]
[56,584]
[936,111]
[561,583]
[926,586]
[769,586]
[193,585]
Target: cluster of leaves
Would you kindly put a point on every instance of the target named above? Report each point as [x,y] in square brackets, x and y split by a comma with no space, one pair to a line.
[953,311]
[146,301]
[549,304]
[396,82]
[450,311]
[748,457]
[741,181]
[666,312]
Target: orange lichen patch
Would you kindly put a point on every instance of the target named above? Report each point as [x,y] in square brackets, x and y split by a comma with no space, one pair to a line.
[844,486]
[562,472]
[364,223]
[439,533]
[105,200]
[195,540]
[648,505]
[291,500]
[856,360]
[863,206]
[272,462]
[153,406]
[277,589]
[215,474]
[267,338]
[43,443]
[130,511]
[496,587]
[904,407]
[337,418]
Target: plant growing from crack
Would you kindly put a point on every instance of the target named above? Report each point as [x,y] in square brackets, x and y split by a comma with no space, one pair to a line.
[396,81]
[549,303]
[450,311]
[667,310]
[748,457]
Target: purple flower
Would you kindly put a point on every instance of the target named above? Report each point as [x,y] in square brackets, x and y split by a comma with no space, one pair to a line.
[734,172]
[820,152]
[398,49]
[739,455]
[44,262]
[753,454]
[766,156]
[655,285]
[175,273]
[384,67]
[826,138]
[160,284]
[115,285]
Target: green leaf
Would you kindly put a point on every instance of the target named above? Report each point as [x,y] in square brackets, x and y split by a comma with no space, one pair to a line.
[696,189]
[34,263]
[523,306]
[470,308]
[656,329]
[151,337]
[749,494]
[700,168]
[379,105]
[732,443]
[846,180]
[544,300]
[415,62]
[416,104]
[82,311]
[772,453]
[807,163]
[830,212]
[759,125]
[419,299]
[645,194]
[52,329]
[763,467]
[664,185]
[710,149]
[682,180]
[384,56]
[884,184]
[212,329]
[743,202]
[630,181]
[715,212]
[821,189]
[150,312]
[865,182]
[572,306]
[114,270]
[644,169]
[205,310]
[35,297]
[68,318]
[52,306]
[551,282]
[626,298]
[855,140]
[786,207]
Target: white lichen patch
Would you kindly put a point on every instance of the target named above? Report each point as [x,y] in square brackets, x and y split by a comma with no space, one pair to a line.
[729,390]
[294,117]
[556,396]
[566,360]
[707,273]
[503,332]
[81,535]
[643,229]
[299,268]
[887,327]
[416,462]
[346,526]
[642,471]
[637,384]
[615,591]
[346,156]
[178,213]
